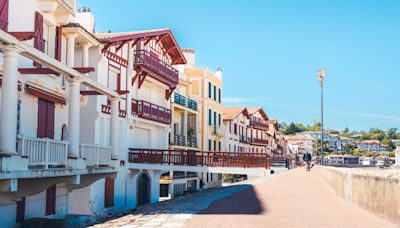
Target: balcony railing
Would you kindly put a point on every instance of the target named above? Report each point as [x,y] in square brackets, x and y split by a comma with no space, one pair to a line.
[258,141]
[43,152]
[259,125]
[179,140]
[161,70]
[95,155]
[243,139]
[184,101]
[199,158]
[151,111]
[192,141]
[107,110]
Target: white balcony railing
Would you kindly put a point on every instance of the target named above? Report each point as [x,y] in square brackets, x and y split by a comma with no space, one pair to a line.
[43,151]
[96,155]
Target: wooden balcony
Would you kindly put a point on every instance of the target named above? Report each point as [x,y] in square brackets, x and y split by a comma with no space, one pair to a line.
[45,153]
[199,158]
[156,68]
[107,110]
[150,111]
[259,125]
[256,141]
[95,155]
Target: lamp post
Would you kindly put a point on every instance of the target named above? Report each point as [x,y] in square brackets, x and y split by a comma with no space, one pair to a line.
[321,74]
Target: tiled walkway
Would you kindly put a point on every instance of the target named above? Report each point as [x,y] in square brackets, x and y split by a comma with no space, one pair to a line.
[295,199]
[291,199]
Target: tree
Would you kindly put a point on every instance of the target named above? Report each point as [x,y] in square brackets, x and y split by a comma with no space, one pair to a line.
[392,154]
[392,133]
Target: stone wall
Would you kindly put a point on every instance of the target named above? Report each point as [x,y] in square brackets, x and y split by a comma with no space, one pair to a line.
[375,190]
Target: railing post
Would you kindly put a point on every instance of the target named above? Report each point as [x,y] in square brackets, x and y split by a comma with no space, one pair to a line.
[46,164]
[97,156]
[22,145]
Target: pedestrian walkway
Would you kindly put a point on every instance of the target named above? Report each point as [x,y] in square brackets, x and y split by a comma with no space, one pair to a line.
[294,199]
[290,199]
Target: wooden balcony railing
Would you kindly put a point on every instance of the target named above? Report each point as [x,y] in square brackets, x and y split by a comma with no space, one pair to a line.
[96,155]
[151,111]
[43,152]
[258,141]
[107,110]
[161,70]
[259,125]
[199,158]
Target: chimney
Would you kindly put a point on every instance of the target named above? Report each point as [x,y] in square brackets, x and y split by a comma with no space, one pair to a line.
[190,56]
[86,19]
[218,73]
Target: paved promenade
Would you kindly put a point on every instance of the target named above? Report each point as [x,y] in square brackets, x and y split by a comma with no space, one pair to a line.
[294,199]
[291,199]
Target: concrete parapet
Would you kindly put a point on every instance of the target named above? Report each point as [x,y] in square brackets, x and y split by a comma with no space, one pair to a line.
[375,190]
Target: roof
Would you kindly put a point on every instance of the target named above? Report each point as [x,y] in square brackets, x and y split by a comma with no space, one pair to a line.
[253,110]
[344,138]
[370,141]
[164,36]
[231,113]
[79,26]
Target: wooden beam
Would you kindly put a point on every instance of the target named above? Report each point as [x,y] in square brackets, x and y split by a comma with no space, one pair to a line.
[166,52]
[82,70]
[136,41]
[142,77]
[94,92]
[134,78]
[106,47]
[168,93]
[148,40]
[160,38]
[120,46]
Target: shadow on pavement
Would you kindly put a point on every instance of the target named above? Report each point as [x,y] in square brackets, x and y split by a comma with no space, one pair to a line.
[242,202]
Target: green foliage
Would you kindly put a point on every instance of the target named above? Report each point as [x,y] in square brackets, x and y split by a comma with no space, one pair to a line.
[392,154]
[293,128]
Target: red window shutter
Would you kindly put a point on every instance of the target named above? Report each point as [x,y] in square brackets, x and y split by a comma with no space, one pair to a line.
[20,210]
[109,192]
[57,53]
[38,43]
[42,117]
[4,15]
[51,200]
[50,120]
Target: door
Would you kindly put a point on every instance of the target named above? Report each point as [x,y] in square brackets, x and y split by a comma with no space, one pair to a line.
[46,110]
[51,200]
[143,190]
[20,210]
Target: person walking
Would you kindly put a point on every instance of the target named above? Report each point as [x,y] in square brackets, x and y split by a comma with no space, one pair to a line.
[307,159]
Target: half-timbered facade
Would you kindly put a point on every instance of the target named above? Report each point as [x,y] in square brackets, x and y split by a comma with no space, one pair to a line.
[257,133]
[236,122]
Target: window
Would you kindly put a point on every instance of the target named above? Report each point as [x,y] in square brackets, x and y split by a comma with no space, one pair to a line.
[219,119]
[215,145]
[219,96]
[234,148]
[209,145]
[219,146]
[209,89]
[235,129]
[215,118]
[209,117]
[229,146]
[215,93]
[230,127]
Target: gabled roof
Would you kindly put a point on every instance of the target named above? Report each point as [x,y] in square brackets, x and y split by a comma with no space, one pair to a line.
[253,110]
[231,113]
[164,36]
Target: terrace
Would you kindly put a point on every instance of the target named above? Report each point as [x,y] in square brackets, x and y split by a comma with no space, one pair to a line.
[150,111]
[259,125]
[184,101]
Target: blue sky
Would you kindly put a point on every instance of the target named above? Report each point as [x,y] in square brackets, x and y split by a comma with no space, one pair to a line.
[269,51]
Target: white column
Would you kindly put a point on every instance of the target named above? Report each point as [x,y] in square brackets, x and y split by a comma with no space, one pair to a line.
[85,55]
[9,101]
[74,117]
[114,128]
[71,50]
[130,74]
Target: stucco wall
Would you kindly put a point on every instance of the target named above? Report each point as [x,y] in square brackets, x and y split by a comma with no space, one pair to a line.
[377,191]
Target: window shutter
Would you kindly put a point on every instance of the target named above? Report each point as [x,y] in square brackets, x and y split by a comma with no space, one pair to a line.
[38,43]
[50,120]
[4,15]
[42,116]
[57,53]
[51,200]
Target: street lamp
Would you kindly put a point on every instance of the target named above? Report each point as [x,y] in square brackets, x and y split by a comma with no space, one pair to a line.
[321,74]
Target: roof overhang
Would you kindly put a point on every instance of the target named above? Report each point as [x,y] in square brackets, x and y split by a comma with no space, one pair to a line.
[83,36]
[164,36]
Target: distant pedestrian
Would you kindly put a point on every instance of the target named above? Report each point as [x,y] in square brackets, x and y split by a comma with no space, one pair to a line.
[307,159]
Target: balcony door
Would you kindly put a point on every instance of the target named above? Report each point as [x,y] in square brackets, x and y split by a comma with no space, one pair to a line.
[46,110]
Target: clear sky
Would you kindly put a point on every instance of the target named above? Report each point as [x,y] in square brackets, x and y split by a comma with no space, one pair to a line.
[269,51]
